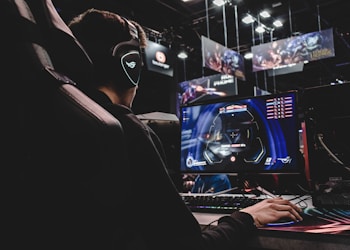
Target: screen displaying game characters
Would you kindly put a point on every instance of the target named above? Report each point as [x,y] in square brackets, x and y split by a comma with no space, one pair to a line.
[293,51]
[222,59]
[248,135]
[205,88]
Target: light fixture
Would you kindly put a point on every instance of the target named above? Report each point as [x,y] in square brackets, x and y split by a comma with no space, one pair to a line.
[182,55]
[260,29]
[248,19]
[219,2]
[264,14]
[277,23]
[248,55]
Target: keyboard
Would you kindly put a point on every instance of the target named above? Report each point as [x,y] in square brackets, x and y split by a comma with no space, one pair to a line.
[219,204]
[332,200]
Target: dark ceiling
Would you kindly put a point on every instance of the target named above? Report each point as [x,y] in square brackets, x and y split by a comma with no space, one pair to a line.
[180,24]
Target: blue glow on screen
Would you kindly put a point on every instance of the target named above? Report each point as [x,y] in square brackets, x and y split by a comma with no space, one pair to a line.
[254,134]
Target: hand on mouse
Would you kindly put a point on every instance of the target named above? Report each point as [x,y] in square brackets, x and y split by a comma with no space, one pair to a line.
[271,210]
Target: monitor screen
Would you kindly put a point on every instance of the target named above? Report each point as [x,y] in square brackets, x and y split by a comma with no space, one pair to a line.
[205,88]
[252,135]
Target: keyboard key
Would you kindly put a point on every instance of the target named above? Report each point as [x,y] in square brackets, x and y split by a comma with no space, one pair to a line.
[218,204]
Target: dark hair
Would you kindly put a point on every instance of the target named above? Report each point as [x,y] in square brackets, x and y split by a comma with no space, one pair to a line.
[99,31]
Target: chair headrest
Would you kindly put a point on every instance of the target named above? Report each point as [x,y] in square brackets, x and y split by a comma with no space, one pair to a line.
[67,54]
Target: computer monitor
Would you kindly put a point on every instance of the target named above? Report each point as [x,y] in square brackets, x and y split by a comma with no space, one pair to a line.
[327,120]
[251,135]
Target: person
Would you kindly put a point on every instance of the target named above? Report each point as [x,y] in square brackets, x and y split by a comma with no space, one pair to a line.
[157,217]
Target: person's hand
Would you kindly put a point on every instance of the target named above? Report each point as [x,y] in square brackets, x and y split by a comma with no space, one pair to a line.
[271,210]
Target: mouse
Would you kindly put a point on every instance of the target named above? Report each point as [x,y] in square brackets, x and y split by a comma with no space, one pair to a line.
[282,222]
[286,221]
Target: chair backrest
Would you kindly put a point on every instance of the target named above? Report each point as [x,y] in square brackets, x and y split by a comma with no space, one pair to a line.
[66,150]
[66,53]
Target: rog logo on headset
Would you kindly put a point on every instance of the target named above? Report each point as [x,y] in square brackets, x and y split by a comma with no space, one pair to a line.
[129,57]
[131,65]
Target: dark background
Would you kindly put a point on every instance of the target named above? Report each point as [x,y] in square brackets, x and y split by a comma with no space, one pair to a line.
[179,25]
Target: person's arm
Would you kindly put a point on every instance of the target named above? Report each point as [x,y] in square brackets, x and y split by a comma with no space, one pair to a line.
[167,217]
[232,232]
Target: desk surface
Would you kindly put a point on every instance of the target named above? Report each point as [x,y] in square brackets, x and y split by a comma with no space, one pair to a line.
[321,229]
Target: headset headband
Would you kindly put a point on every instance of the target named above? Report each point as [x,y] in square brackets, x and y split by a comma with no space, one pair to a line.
[132,29]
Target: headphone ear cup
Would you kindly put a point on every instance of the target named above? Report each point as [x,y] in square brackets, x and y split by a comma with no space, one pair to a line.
[127,63]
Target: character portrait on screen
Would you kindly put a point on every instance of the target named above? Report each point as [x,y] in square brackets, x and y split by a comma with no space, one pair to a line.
[245,135]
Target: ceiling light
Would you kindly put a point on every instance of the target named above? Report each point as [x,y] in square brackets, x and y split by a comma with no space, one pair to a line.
[260,29]
[265,14]
[277,23]
[182,55]
[248,19]
[248,55]
[219,2]
[274,5]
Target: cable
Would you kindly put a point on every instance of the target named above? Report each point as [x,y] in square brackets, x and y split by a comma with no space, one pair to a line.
[264,191]
[320,139]
[226,191]
[303,189]
[302,202]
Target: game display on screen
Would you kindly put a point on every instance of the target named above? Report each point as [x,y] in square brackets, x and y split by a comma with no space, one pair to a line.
[205,88]
[254,135]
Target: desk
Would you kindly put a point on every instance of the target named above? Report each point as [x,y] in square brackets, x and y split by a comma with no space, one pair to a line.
[325,229]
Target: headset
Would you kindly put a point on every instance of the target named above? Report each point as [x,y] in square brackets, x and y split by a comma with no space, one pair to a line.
[127,59]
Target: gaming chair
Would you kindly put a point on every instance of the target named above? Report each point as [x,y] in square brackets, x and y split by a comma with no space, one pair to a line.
[64,151]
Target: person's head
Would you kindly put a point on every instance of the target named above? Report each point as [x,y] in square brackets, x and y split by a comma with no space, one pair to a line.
[114,45]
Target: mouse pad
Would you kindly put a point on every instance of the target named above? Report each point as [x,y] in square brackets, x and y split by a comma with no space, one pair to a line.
[317,220]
